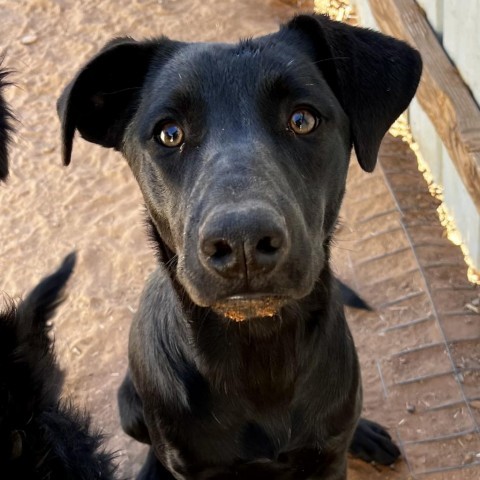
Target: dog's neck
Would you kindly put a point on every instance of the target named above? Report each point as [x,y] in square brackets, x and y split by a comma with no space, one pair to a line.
[261,356]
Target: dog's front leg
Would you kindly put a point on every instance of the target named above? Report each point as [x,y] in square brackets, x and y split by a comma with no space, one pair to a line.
[131,411]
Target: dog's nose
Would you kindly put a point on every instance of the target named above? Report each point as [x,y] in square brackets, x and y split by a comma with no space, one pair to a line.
[243,241]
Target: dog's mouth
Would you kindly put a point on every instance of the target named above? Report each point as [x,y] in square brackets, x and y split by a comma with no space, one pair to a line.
[243,307]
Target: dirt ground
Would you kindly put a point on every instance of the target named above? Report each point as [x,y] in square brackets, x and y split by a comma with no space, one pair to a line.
[419,349]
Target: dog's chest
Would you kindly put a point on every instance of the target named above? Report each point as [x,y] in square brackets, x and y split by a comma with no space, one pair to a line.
[233,430]
[281,445]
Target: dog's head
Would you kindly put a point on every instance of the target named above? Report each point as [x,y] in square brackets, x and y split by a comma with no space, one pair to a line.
[5,127]
[241,151]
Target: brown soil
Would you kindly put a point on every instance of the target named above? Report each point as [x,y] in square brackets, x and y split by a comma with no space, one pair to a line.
[418,349]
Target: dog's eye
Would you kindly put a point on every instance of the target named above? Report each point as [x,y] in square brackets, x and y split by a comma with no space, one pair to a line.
[303,121]
[169,134]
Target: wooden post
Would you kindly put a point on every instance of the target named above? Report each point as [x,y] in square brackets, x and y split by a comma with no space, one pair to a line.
[442,93]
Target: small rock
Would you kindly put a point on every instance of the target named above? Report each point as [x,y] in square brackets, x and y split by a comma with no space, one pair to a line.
[410,408]
[468,458]
[28,39]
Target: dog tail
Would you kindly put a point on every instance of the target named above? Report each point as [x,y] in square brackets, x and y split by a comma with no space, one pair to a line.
[351,298]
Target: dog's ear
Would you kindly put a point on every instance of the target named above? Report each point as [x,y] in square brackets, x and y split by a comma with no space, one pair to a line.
[373,76]
[5,127]
[99,102]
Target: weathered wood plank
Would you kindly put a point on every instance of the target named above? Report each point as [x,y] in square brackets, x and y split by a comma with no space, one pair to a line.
[434,12]
[442,93]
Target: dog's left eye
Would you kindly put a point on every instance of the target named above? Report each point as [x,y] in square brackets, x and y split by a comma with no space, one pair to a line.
[303,121]
[169,134]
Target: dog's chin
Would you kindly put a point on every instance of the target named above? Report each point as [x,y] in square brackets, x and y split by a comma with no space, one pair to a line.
[246,307]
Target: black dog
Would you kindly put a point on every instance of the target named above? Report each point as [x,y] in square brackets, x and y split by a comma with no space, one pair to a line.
[41,437]
[241,361]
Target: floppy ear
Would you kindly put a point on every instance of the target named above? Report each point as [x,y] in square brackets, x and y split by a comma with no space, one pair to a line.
[5,128]
[373,76]
[100,100]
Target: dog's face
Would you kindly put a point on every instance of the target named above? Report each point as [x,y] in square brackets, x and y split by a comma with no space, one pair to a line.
[237,163]
[241,151]
[20,390]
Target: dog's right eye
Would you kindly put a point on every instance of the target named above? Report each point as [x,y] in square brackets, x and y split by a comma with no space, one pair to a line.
[169,134]
[303,121]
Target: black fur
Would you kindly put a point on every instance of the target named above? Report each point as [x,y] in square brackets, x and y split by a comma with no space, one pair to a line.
[41,436]
[244,209]
[6,129]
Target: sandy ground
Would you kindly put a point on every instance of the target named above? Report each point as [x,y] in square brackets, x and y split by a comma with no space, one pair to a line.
[95,208]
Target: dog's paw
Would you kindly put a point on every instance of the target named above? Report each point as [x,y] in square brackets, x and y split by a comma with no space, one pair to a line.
[372,443]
